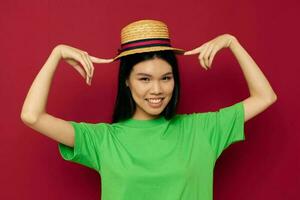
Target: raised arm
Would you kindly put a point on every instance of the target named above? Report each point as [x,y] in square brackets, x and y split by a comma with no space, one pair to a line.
[261,92]
[34,112]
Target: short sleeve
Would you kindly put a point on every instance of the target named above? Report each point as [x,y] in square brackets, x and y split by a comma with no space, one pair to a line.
[225,127]
[87,144]
[222,127]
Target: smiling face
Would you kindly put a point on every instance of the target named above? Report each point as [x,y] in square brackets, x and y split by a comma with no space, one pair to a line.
[151,84]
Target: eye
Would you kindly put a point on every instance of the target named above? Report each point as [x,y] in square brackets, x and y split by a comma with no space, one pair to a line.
[167,78]
[144,79]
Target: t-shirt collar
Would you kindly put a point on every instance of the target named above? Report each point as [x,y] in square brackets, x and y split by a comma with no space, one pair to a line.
[144,123]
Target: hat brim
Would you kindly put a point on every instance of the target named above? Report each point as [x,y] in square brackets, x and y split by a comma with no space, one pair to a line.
[148,49]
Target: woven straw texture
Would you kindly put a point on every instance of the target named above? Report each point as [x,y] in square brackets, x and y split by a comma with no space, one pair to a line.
[145,29]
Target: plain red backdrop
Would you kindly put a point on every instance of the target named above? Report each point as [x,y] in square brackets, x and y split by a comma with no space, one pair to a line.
[265,166]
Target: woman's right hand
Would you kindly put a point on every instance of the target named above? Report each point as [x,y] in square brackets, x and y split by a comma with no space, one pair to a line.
[75,57]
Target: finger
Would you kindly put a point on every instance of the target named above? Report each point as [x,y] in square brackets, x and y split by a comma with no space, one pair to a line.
[91,69]
[76,65]
[80,70]
[191,52]
[71,62]
[84,64]
[194,51]
[207,55]
[100,60]
[91,66]
[213,53]
[89,81]
[86,60]
[200,57]
[88,74]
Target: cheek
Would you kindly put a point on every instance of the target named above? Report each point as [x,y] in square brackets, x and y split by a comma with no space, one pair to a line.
[138,92]
[169,88]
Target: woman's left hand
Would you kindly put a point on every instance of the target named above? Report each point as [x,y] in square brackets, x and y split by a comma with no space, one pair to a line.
[208,50]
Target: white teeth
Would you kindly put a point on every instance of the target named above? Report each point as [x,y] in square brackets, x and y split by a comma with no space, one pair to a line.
[154,100]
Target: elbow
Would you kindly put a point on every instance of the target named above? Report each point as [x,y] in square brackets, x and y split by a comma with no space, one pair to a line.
[28,118]
[272,99]
[267,100]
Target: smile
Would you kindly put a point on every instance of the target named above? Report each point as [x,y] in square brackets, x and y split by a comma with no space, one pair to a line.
[155,103]
[155,100]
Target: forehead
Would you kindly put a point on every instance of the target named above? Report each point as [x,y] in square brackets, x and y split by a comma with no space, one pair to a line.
[155,67]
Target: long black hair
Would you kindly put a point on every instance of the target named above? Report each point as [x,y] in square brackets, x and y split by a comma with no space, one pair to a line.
[125,105]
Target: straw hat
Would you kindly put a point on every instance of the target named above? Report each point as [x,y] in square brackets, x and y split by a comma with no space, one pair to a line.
[145,36]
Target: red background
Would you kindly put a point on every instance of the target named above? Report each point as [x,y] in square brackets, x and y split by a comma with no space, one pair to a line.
[265,166]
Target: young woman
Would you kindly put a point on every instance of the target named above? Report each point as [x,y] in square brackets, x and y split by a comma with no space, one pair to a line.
[149,151]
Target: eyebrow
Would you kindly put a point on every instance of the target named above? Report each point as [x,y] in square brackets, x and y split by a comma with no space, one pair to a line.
[144,74]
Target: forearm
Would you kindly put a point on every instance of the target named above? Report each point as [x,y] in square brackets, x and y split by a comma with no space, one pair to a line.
[258,84]
[36,99]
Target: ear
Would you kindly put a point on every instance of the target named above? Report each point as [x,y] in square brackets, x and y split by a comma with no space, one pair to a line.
[126,82]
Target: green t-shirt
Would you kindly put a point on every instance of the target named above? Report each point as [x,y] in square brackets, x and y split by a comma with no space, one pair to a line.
[157,159]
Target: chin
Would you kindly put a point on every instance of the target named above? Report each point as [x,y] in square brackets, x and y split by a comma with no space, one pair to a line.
[154,111]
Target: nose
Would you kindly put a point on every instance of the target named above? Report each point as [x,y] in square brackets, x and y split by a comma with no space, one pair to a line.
[156,87]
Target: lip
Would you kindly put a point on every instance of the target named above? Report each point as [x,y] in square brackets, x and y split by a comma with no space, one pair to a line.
[155,105]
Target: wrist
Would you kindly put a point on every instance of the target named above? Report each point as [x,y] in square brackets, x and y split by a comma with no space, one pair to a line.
[232,42]
[56,52]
